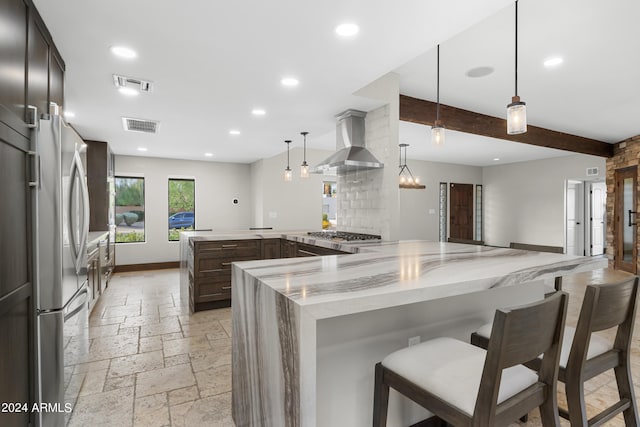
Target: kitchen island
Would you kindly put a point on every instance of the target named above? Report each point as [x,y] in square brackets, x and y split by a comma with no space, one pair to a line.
[307,332]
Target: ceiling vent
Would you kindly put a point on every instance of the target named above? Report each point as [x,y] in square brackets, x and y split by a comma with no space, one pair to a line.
[592,171]
[140,125]
[132,82]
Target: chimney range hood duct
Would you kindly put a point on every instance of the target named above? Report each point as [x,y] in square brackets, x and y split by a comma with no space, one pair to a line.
[351,154]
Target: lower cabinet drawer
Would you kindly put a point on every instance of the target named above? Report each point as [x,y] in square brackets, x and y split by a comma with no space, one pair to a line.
[213,289]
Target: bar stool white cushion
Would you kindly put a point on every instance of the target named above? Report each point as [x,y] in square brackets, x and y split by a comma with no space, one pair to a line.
[452,369]
[597,346]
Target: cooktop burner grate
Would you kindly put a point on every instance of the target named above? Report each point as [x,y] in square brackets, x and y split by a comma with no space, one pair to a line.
[342,235]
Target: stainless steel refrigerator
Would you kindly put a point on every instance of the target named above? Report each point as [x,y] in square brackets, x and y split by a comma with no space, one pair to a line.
[61,229]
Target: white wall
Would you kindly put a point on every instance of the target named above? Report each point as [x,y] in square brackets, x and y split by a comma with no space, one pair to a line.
[525,202]
[217,184]
[416,221]
[295,205]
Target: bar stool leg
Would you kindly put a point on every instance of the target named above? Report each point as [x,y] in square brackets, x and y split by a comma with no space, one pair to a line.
[575,401]
[380,399]
[625,389]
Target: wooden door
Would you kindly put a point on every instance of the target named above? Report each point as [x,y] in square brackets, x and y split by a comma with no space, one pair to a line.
[461,208]
[16,287]
[626,251]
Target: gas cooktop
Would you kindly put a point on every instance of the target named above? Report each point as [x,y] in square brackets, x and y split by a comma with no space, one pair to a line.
[342,236]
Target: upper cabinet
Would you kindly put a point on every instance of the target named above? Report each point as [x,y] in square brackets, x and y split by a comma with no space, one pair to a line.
[13,48]
[33,70]
[38,69]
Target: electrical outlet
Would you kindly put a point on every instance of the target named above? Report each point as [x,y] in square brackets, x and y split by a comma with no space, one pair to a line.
[414,340]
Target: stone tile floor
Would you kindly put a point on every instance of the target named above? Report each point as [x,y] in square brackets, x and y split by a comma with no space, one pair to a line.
[151,363]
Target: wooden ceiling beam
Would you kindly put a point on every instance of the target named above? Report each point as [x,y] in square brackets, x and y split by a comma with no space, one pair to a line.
[424,112]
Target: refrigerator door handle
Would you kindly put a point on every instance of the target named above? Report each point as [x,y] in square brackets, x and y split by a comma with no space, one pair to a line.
[83,292]
[77,171]
[80,292]
[85,208]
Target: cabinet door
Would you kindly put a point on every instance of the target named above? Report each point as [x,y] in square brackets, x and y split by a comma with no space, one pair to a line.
[16,286]
[56,79]
[13,51]
[38,69]
[271,248]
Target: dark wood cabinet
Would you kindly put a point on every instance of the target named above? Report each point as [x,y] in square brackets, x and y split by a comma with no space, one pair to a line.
[271,249]
[210,273]
[93,271]
[56,79]
[16,276]
[13,51]
[304,249]
[34,74]
[99,171]
[38,69]
[289,249]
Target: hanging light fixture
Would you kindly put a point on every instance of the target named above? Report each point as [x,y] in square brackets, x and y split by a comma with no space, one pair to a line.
[437,131]
[406,177]
[517,110]
[304,167]
[288,175]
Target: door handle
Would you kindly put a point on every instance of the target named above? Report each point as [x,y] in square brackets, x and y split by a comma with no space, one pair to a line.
[631,213]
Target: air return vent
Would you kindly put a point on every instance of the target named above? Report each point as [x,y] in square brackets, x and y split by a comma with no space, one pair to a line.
[592,171]
[140,125]
[133,82]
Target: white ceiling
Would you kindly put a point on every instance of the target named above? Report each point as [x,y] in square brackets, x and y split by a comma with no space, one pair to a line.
[213,62]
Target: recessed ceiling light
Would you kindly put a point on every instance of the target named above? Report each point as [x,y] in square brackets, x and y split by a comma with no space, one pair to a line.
[552,62]
[123,52]
[234,132]
[142,149]
[128,91]
[347,30]
[69,114]
[208,154]
[289,81]
[479,72]
[496,159]
[258,112]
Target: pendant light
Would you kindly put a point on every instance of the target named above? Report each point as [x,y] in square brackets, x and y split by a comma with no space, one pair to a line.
[304,168]
[405,176]
[437,131]
[517,110]
[288,176]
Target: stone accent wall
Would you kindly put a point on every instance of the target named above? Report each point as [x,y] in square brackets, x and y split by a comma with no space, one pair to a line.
[625,154]
[364,201]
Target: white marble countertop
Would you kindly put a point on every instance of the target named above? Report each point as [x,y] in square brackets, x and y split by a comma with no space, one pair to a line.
[387,274]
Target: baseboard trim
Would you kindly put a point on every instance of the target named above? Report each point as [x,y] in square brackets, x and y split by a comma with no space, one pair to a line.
[145,267]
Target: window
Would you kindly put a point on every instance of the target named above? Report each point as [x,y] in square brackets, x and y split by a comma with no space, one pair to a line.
[129,209]
[442,214]
[182,206]
[478,212]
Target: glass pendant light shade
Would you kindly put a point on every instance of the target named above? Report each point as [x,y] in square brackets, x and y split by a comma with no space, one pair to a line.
[288,175]
[304,167]
[304,170]
[437,133]
[516,116]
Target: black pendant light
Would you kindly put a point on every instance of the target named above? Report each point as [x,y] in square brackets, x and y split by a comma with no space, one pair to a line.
[406,178]
[304,167]
[437,131]
[517,110]
[288,176]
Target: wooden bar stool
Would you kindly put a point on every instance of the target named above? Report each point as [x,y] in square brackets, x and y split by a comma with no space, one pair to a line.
[468,386]
[586,355]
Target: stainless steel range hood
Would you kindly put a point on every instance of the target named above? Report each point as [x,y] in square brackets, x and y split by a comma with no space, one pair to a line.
[351,154]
